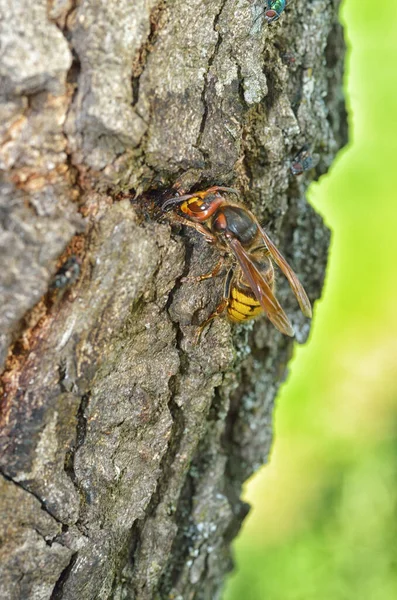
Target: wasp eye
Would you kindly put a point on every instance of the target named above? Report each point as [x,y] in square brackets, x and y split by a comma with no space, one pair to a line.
[196,205]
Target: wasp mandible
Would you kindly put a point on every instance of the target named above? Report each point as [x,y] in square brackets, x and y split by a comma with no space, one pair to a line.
[235,231]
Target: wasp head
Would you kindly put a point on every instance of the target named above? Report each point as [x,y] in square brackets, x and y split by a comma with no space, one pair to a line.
[198,206]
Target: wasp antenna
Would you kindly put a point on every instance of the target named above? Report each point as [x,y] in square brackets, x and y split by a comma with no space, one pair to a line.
[176,200]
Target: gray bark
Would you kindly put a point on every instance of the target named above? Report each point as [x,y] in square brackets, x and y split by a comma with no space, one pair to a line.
[123,445]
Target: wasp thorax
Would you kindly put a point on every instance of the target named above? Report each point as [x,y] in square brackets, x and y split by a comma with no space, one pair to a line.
[237,221]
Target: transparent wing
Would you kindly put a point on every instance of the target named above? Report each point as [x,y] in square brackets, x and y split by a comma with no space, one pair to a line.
[294,282]
[261,289]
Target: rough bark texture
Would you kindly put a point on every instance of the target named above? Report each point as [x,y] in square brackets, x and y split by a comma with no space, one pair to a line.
[123,445]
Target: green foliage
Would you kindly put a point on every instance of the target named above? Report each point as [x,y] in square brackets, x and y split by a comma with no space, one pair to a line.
[324,517]
[347,551]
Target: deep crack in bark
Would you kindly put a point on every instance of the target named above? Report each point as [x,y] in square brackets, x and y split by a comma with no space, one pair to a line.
[206,84]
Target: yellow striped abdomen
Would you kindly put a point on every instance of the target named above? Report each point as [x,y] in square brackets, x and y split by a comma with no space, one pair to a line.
[242,305]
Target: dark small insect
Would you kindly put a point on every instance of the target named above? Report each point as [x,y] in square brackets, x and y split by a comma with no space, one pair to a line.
[273,10]
[67,274]
[303,161]
[288,58]
[235,231]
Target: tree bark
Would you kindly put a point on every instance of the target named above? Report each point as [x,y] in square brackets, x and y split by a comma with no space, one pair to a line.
[123,445]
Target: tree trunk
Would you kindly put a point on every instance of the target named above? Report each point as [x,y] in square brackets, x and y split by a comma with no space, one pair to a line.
[124,445]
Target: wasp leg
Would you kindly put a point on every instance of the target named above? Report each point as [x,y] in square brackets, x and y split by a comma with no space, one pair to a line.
[179,188]
[209,275]
[209,237]
[217,313]
[220,309]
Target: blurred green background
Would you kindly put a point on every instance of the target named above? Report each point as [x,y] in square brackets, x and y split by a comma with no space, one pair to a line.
[323,523]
